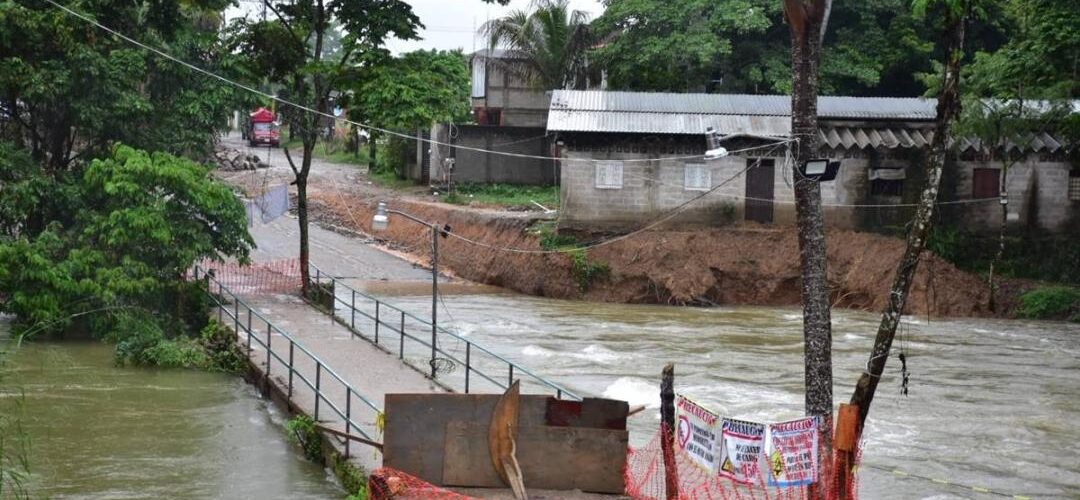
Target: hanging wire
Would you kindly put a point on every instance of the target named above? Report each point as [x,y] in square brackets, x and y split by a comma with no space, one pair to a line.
[318,113]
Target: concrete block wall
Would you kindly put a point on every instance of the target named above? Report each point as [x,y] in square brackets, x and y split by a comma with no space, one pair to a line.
[1038,195]
[478,167]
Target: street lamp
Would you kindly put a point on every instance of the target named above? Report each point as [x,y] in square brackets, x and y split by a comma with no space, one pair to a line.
[379,222]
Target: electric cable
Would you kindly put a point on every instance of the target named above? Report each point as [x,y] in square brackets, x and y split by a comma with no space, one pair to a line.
[315,112]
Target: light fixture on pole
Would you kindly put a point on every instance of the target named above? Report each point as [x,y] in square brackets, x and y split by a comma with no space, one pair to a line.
[819,169]
[380,222]
[715,150]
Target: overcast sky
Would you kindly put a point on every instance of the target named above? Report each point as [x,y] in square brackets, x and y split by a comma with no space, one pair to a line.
[451,24]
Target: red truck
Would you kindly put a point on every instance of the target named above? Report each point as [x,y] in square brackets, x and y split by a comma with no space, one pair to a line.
[262,129]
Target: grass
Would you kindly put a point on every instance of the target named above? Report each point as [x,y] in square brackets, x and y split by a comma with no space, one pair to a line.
[505,195]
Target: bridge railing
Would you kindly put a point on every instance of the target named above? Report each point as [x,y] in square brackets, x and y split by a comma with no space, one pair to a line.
[257,330]
[409,336]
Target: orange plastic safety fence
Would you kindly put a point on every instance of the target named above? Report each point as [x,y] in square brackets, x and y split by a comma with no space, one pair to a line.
[386,484]
[279,276]
[645,480]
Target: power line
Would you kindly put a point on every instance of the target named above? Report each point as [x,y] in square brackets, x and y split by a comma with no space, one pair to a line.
[365,126]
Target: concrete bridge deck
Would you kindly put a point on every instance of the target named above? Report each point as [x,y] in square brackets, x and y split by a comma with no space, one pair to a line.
[372,372]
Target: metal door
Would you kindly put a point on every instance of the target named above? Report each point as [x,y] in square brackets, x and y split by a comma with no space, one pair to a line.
[760,179]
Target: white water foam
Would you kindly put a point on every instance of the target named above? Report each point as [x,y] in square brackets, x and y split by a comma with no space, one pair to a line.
[535,350]
[635,391]
[593,353]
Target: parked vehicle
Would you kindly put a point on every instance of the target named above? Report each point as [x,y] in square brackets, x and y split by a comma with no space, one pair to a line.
[263,129]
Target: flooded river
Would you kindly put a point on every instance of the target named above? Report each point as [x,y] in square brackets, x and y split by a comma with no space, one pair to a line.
[992,404]
[99,431]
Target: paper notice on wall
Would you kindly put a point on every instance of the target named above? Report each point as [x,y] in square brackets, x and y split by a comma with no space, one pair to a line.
[740,450]
[696,432]
[792,452]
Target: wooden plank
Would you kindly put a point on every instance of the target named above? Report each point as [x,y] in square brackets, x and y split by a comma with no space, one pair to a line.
[416,425]
[556,458]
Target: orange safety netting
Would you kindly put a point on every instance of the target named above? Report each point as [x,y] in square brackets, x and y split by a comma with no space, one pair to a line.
[279,276]
[645,480]
[386,484]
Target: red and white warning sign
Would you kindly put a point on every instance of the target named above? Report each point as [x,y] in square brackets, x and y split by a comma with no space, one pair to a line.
[792,452]
[696,432]
[740,450]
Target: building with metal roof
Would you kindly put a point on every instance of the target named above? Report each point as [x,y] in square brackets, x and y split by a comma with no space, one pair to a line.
[630,157]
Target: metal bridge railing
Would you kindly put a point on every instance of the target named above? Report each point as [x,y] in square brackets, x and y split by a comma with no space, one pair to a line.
[259,330]
[362,313]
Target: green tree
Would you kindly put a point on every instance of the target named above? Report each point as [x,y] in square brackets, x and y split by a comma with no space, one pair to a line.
[549,44]
[71,89]
[292,50]
[875,47]
[414,90]
[115,268]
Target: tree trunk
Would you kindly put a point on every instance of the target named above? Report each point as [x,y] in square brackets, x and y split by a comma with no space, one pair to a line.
[371,163]
[948,108]
[1001,237]
[806,18]
[311,135]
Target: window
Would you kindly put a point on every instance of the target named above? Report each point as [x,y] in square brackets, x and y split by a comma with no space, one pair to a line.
[985,183]
[1074,184]
[697,177]
[609,175]
[887,181]
[262,127]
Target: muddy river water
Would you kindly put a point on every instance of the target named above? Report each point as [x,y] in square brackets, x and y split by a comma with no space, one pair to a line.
[101,432]
[992,404]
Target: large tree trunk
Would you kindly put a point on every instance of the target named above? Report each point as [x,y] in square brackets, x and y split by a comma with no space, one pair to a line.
[948,108]
[806,19]
[311,135]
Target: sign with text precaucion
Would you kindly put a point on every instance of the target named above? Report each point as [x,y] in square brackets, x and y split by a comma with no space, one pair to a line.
[695,432]
[792,452]
[740,450]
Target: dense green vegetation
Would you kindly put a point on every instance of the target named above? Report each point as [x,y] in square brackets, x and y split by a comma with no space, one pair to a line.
[1043,257]
[302,431]
[97,233]
[1053,302]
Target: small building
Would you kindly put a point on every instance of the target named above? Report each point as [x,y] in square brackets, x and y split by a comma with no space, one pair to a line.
[628,158]
[510,117]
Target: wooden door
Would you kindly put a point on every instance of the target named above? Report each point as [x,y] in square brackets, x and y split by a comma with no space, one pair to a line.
[760,180]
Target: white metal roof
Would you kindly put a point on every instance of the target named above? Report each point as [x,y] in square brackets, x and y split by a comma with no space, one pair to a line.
[654,112]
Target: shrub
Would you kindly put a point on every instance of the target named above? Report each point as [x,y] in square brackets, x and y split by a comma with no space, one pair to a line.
[223,352]
[302,431]
[1053,302]
[587,271]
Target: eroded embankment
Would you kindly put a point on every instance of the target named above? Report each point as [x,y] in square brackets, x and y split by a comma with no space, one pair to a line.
[729,266]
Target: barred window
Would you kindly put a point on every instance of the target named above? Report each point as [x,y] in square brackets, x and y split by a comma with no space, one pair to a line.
[1074,184]
[609,174]
[697,177]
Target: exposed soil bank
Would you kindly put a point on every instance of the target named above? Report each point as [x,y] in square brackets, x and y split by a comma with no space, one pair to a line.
[751,265]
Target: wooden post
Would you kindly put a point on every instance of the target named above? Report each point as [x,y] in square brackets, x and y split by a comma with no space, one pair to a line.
[667,440]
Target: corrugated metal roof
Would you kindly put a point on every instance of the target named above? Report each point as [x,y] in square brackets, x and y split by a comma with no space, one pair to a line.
[563,120]
[630,104]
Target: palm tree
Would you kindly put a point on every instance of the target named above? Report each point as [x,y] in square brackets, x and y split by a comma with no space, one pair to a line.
[548,44]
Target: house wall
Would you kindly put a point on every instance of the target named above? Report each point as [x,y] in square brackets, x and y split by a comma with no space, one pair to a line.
[653,187]
[1038,195]
[478,167]
[521,105]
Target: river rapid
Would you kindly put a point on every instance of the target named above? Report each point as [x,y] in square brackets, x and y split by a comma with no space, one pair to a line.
[992,403]
[102,432]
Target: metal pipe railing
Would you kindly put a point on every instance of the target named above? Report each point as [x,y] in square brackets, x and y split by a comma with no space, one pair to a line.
[220,301]
[348,320]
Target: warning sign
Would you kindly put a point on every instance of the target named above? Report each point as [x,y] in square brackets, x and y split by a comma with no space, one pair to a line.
[792,451]
[695,432]
[740,450]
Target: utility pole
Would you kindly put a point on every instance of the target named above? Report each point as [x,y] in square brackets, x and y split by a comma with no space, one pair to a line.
[807,20]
